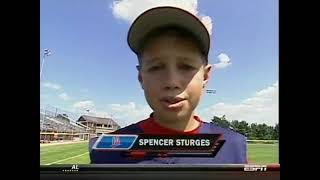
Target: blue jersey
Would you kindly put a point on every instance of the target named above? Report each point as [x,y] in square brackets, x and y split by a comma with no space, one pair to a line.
[233,151]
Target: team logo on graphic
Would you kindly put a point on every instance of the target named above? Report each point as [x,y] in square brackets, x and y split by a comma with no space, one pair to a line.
[116,141]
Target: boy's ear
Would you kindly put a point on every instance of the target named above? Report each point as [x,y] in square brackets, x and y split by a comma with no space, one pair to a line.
[138,67]
[139,75]
[140,79]
[207,74]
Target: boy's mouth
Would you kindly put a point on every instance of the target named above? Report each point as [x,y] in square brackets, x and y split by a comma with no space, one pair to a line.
[173,103]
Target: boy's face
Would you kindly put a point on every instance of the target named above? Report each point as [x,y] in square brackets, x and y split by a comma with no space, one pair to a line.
[172,75]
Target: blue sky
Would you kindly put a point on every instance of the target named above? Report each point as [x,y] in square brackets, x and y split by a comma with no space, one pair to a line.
[92,67]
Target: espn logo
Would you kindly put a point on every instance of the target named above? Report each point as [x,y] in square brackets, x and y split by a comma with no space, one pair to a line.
[255,168]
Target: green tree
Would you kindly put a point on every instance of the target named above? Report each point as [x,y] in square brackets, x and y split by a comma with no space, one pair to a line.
[241,127]
[275,134]
[253,134]
[221,121]
[253,131]
[262,131]
[270,132]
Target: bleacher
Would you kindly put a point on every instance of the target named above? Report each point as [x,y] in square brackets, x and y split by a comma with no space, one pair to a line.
[52,122]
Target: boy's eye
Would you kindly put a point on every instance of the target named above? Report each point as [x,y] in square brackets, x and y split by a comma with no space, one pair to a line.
[186,67]
[154,68]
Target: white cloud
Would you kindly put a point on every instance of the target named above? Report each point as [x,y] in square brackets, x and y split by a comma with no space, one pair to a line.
[262,107]
[89,108]
[52,85]
[64,96]
[123,114]
[129,113]
[78,109]
[99,113]
[128,10]
[123,108]
[224,61]
[83,106]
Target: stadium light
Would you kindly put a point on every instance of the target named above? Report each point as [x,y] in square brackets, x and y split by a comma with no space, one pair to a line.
[46,53]
[211,91]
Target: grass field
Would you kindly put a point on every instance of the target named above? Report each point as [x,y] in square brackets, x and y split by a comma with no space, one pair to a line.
[78,154]
[263,153]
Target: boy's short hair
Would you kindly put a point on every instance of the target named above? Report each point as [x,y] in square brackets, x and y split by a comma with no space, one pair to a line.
[158,19]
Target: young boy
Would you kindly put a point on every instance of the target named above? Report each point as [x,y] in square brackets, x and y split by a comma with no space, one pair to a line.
[172,47]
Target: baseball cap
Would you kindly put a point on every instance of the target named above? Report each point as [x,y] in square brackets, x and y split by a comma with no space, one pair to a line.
[166,16]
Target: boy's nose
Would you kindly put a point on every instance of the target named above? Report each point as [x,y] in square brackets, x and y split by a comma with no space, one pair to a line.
[171,79]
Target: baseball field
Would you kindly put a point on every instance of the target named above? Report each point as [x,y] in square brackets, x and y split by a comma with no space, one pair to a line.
[77,153]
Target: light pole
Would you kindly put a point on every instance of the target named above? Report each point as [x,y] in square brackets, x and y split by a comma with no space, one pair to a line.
[211,91]
[47,52]
[87,112]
